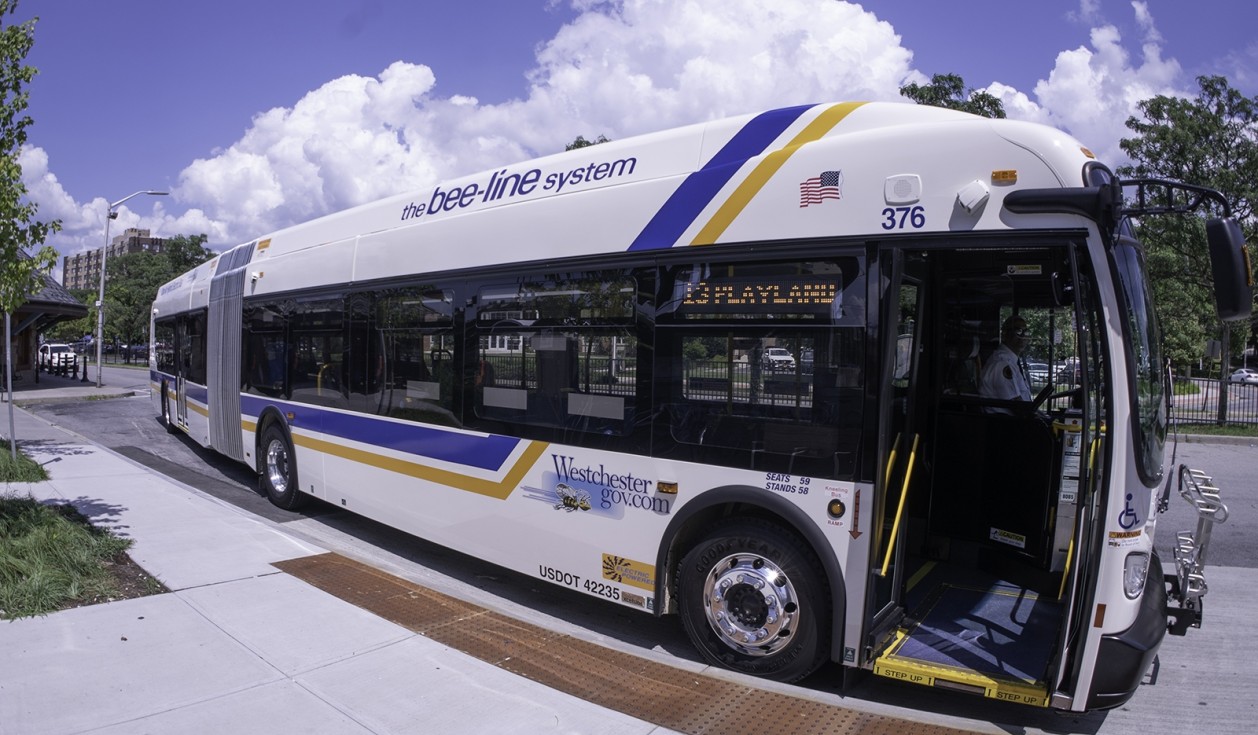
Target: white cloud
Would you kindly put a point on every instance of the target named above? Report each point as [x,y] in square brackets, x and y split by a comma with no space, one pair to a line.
[620,68]
[1092,90]
[82,224]
[639,65]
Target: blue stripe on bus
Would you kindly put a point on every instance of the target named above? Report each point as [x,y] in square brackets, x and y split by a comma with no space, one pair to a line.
[481,452]
[702,186]
[197,393]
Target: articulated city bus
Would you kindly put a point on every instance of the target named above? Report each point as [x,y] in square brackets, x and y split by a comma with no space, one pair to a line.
[735,372]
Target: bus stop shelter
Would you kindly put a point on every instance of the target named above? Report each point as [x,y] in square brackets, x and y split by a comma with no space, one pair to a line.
[42,309]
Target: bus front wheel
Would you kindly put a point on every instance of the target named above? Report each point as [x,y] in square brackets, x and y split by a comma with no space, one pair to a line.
[279,469]
[752,599]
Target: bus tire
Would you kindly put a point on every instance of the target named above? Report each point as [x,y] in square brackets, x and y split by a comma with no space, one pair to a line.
[752,599]
[278,478]
[166,417]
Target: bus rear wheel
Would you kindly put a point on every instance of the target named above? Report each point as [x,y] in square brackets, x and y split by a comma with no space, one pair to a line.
[753,599]
[279,470]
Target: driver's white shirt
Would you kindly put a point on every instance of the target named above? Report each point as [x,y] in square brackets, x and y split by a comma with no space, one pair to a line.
[1002,378]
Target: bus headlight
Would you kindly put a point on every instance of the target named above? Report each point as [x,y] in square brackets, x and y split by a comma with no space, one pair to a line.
[1135,570]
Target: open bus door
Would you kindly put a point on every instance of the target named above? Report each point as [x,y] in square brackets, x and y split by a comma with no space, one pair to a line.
[898,445]
[183,350]
[979,555]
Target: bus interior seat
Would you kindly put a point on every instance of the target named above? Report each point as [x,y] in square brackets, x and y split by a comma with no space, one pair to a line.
[975,456]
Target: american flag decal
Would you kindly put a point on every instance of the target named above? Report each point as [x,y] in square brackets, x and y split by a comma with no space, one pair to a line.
[820,188]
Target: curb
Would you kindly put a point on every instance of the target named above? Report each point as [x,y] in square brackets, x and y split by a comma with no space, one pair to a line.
[21,402]
[1217,439]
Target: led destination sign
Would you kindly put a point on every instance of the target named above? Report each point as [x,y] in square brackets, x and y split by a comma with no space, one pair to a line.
[795,294]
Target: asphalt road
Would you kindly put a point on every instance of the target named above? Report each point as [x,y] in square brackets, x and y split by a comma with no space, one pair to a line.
[1205,682]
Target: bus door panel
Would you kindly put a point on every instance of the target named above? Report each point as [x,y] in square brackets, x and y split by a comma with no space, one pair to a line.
[1080,469]
[183,351]
[899,442]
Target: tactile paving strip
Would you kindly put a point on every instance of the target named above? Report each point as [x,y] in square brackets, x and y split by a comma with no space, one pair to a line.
[665,695]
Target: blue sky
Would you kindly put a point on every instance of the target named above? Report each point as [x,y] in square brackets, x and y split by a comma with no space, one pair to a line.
[259,114]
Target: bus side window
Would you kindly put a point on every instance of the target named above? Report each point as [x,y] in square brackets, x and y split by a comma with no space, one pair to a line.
[399,354]
[790,402]
[317,375]
[760,364]
[558,353]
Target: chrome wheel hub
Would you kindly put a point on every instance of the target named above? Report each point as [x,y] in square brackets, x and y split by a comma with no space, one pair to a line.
[751,604]
[277,465]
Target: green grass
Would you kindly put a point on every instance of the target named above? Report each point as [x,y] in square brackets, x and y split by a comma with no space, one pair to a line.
[1216,430]
[23,470]
[51,558]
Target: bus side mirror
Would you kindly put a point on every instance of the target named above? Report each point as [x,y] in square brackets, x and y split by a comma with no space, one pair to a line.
[1233,273]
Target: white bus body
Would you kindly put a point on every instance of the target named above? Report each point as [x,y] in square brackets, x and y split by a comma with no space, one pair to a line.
[557,366]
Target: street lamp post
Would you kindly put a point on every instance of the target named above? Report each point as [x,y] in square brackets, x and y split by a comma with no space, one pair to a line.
[100,305]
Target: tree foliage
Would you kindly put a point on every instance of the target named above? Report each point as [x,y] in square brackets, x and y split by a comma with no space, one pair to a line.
[20,274]
[581,142]
[1209,141]
[19,230]
[949,90]
[132,281]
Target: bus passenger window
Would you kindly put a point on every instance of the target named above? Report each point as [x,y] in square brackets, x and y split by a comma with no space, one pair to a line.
[761,364]
[558,353]
[411,351]
[316,371]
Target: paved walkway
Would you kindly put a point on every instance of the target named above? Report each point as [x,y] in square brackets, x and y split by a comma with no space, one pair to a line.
[237,646]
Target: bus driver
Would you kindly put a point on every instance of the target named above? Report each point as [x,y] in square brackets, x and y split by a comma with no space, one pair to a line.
[1004,376]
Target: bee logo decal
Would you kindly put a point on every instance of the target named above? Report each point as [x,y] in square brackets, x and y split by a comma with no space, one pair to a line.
[570,499]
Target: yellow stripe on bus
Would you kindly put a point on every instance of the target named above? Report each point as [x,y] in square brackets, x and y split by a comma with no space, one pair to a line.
[760,176]
[494,489]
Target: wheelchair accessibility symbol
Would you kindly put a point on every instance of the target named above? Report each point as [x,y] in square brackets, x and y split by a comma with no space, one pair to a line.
[1128,519]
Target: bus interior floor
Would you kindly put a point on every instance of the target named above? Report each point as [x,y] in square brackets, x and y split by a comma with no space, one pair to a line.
[966,619]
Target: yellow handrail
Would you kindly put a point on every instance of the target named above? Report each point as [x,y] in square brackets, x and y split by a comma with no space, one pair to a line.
[1065,573]
[891,460]
[899,511]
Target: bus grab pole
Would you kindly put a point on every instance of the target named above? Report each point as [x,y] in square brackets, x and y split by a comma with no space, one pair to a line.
[899,511]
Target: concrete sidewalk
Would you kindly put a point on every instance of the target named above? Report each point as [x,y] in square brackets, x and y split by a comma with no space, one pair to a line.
[51,388]
[236,646]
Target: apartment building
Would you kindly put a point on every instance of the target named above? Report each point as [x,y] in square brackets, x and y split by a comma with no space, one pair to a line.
[82,271]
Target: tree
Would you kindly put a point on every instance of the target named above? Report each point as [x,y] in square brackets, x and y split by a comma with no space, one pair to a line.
[185,252]
[581,142]
[20,274]
[949,90]
[73,330]
[1210,141]
[133,279]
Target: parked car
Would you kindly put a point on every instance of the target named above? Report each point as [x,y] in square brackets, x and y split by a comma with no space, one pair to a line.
[778,359]
[1245,375]
[57,358]
[1038,372]
[1070,373]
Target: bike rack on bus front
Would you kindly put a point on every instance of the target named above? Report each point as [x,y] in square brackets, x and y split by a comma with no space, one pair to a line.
[1188,584]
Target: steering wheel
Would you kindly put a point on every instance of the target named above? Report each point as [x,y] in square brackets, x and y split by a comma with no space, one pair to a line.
[1046,394]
